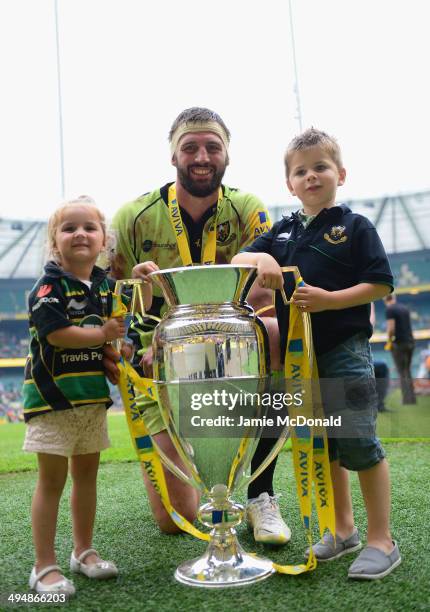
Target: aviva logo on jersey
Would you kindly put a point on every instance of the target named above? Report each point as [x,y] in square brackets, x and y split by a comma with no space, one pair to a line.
[261,223]
[176,219]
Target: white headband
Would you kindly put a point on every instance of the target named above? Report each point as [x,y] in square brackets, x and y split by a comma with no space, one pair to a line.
[198,126]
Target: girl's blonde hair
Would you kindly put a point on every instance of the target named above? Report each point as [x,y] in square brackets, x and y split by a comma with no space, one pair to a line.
[55,220]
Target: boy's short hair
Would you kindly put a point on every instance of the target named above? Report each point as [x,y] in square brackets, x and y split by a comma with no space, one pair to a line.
[55,220]
[312,138]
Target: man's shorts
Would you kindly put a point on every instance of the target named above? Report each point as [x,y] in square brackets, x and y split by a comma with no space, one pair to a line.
[355,444]
[77,431]
[151,414]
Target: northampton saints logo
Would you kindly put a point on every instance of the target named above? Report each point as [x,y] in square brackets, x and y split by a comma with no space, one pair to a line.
[223,231]
[336,235]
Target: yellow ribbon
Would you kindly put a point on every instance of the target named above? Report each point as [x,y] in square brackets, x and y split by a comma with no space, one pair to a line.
[119,309]
[139,434]
[309,444]
[209,251]
[142,441]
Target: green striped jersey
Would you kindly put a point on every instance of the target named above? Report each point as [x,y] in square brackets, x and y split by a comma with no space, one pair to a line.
[142,231]
[61,378]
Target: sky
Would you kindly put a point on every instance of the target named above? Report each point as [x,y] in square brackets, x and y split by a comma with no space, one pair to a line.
[129,67]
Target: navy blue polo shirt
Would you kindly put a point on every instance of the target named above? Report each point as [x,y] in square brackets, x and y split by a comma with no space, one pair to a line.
[338,249]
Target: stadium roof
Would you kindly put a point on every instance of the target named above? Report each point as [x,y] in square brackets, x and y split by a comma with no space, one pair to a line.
[403,222]
[22,248]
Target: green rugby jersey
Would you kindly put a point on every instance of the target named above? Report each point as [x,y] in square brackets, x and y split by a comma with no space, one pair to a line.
[142,231]
[62,378]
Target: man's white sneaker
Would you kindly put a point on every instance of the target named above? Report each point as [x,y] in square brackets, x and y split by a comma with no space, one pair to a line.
[265,519]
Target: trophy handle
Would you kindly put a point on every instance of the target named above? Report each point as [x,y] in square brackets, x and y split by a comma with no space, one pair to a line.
[188,479]
[295,271]
[305,315]
[137,302]
[271,456]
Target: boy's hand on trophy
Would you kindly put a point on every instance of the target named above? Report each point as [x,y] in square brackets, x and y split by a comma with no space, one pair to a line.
[143,270]
[114,328]
[269,273]
[312,299]
[146,363]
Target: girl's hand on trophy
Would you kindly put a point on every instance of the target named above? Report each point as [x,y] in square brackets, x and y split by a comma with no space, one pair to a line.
[146,363]
[114,328]
[312,299]
[269,273]
[143,270]
[110,359]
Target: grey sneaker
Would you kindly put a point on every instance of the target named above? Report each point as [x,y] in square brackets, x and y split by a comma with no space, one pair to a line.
[372,563]
[265,519]
[327,550]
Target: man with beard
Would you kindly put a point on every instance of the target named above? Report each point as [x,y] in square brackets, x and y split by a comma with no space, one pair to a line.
[218,221]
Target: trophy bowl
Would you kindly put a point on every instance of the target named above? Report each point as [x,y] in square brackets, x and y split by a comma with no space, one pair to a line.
[211,364]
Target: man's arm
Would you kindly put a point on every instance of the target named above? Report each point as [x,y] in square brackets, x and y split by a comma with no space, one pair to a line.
[255,219]
[142,271]
[391,330]
[122,257]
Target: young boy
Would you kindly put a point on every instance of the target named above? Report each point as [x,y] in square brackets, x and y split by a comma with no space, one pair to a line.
[344,266]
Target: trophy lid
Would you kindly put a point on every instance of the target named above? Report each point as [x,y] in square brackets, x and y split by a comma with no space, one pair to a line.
[215,284]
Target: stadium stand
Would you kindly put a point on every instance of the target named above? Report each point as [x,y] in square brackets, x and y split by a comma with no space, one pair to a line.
[10,395]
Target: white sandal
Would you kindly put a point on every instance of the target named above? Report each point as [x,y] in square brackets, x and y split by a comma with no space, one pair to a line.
[100,570]
[63,586]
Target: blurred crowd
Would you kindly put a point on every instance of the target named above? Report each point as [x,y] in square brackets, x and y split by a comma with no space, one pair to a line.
[12,345]
[11,402]
[10,405]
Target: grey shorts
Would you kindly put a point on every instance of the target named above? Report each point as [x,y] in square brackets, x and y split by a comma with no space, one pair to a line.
[78,431]
[351,364]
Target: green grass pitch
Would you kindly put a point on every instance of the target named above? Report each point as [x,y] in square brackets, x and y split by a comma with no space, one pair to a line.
[147,559]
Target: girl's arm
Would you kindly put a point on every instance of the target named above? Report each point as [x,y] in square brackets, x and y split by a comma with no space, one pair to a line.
[75,337]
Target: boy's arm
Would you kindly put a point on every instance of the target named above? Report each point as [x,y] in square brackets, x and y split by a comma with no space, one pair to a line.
[75,337]
[269,273]
[315,299]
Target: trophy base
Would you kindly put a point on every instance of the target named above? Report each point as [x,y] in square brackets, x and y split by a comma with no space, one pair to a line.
[233,567]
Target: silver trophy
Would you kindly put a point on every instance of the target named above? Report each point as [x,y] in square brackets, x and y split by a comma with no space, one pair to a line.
[213,347]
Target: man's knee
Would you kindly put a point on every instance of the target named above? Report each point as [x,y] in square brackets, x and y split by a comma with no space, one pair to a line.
[168,526]
[182,497]
[166,523]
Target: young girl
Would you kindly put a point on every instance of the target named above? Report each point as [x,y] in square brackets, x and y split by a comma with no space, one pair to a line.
[65,390]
